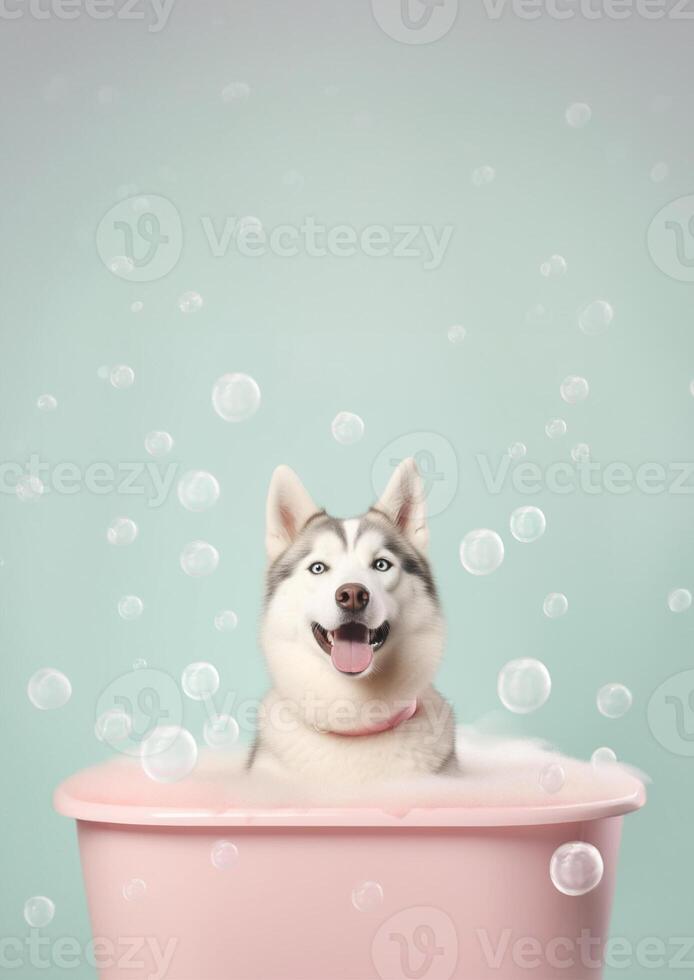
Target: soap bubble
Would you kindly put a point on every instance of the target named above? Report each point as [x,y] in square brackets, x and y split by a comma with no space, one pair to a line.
[139,664]
[235,397]
[527,524]
[552,778]
[483,175]
[137,307]
[190,302]
[603,757]
[121,265]
[517,450]
[46,403]
[367,896]
[660,171]
[249,226]
[122,531]
[134,890]
[456,334]
[574,389]
[481,551]
[221,732]
[29,488]
[198,490]
[614,700]
[168,754]
[524,685]
[199,558]
[236,92]
[38,911]
[554,267]
[538,315]
[113,726]
[199,681]
[578,115]
[679,600]
[347,428]
[122,376]
[223,854]
[130,607]
[49,689]
[158,443]
[226,621]
[555,428]
[595,318]
[576,868]
[555,605]
[691,388]
[580,453]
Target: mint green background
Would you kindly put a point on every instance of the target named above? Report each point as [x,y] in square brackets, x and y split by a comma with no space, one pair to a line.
[393,140]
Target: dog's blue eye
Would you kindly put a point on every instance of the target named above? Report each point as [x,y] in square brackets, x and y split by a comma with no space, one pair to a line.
[382,564]
[317,568]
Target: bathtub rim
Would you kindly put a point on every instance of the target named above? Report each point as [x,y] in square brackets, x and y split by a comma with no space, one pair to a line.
[68,805]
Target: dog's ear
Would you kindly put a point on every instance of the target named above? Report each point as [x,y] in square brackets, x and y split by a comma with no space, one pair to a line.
[289,506]
[403,502]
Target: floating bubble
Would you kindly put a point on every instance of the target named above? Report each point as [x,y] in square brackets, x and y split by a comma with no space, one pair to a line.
[113,726]
[190,302]
[122,531]
[527,524]
[481,551]
[555,428]
[121,265]
[603,757]
[221,732]
[580,453]
[46,403]
[538,315]
[574,389]
[614,700]
[134,890]
[552,778]
[38,911]
[29,488]
[691,388]
[595,318]
[517,450]
[199,558]
[158,443]
[660,171]
[137,307]
[236,92]
[130,607]
[679,600]
[555,605]
[223,854]
[576,868]
[49,689]
[456,333]
[249,226]
[367,896]
[122,376]
[347,428]
[483,175]
[578,115]
[139,664]
[524,685]
[236,397]
[198,490]
[226,621]
[168,754]
[554,267]
[199,681]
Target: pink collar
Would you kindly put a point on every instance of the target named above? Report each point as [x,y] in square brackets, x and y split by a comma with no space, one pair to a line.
[383,726]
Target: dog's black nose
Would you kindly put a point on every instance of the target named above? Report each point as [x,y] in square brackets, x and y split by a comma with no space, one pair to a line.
[353,596]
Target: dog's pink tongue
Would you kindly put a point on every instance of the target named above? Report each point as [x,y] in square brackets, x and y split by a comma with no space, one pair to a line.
[351,652]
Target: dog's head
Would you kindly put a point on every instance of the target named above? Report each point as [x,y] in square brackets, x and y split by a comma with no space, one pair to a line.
[350,602]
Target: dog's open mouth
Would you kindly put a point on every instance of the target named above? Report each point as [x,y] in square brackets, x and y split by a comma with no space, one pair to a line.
[351,647]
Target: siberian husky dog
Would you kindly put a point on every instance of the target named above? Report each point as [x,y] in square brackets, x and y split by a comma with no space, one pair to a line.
[353,633]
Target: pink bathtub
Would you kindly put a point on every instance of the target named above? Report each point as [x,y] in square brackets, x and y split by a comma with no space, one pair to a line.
[342,893]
